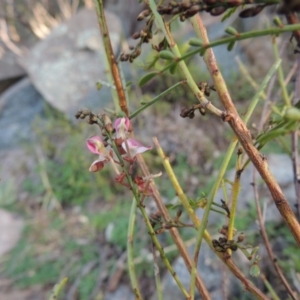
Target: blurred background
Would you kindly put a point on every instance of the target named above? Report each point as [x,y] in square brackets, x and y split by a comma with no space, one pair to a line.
[56,219]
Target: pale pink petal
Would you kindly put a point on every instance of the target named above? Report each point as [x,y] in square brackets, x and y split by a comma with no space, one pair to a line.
[135,147]
[95,145]
[122,127]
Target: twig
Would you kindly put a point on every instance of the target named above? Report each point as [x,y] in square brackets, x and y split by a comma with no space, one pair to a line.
[229,263]
[295,150]
[174,232]
[130,263]
[157,275]
[244,136]
[114,70]
[266,240]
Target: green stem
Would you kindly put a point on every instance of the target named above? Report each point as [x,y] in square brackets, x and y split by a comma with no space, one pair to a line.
[261,89]
[283,88]
[228,157]
[270,288]
[146,219]
[235,194]
[252,34]
[131,267]
[182,65]
[155,99]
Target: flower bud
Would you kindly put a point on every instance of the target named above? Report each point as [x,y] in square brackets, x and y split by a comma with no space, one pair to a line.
[107,123]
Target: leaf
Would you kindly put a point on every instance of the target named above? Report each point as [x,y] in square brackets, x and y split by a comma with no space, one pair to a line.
[230,45]
[231,30]
[254,270]
[173,68]
[129,83]
[228,14]
[57,288]
[147,78]
[99,86]
[195,42]
[166,54]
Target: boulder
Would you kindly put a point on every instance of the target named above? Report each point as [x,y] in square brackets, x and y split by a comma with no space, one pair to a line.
[66,65]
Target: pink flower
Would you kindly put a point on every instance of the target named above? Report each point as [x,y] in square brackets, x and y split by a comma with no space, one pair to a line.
[96,146]
[122,127]
[134,147]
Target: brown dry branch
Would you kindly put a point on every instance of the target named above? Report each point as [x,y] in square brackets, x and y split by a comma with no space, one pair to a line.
[113,64]
[244,136]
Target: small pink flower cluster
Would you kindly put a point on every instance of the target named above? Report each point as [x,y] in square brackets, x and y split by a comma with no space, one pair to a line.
[128,147]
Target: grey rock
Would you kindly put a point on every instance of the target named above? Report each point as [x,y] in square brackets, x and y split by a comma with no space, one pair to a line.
[19,106]
[66,65]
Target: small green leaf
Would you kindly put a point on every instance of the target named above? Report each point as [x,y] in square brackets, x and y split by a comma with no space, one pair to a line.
[129,83]
[57,288]
[255,270]
[230,45]
[277,21]
[231,30]
[202,51]
[166,54]
[173,68]
[147,78]
[229,13]
[195,42]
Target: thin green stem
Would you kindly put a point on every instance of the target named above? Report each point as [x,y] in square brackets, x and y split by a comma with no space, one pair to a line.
[224,191]
[261,89]
[235,194]
[130,258]
[283,88]
[270,288]
[229,263]
[146,219]
[155,99]
[228,156]
[182,65]
[251,34]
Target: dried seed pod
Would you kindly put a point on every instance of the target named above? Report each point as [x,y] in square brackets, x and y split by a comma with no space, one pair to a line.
[136,35]
[164,10]
[192,11]
[216,11]
[233,247]
[185,112]
[191,115]
[289,6]
[251,12]
[145,13]
[241,237]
